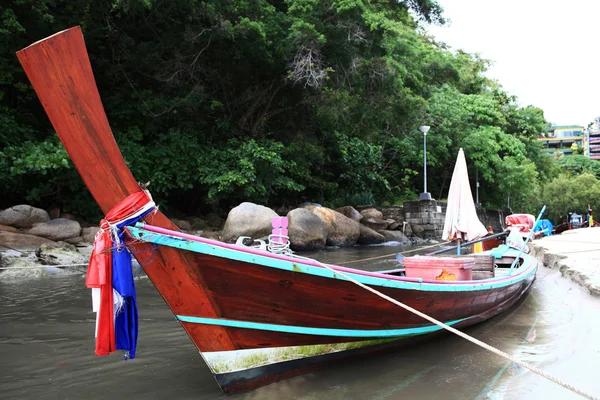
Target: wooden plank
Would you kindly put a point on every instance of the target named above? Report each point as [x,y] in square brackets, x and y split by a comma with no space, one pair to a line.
[478,275]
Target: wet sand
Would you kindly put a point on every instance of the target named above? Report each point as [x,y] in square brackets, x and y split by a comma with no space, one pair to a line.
[575,253]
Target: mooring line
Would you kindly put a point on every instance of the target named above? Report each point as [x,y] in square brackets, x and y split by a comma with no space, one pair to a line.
[393,254]
[459,333]
[499,374]
[46,266]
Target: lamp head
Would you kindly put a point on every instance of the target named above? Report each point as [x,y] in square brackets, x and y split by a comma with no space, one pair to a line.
[424,129]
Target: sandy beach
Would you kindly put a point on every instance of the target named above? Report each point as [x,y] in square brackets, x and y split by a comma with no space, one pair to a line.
[575,253]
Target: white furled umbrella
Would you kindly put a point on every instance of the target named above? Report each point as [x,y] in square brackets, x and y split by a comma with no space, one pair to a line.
[461,221]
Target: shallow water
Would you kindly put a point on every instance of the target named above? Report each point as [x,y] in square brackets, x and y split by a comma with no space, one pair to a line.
[47,350]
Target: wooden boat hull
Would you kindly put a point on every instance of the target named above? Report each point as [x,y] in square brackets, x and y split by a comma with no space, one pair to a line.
[287,316]
[256,317]
[249,378]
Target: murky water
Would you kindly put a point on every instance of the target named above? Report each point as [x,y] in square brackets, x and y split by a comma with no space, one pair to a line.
[47,350]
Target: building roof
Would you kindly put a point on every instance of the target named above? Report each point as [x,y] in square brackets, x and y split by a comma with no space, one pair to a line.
[553,127]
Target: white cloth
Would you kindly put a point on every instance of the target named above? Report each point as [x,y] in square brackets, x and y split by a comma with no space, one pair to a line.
[118,303]
[461,216]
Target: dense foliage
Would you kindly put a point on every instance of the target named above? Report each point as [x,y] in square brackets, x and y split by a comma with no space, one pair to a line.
[272,101]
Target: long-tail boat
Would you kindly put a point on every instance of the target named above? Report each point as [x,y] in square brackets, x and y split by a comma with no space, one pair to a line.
[255,316]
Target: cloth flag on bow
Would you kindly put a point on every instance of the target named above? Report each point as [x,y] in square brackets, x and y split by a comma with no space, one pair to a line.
[111,279]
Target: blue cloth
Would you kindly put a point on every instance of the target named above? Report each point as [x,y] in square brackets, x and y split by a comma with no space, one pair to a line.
[545,226]
[126,321]
[499,251]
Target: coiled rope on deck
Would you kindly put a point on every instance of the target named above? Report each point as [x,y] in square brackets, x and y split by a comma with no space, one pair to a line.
[459,333]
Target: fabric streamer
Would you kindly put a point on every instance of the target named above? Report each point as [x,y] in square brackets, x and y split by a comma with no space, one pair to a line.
[111,279]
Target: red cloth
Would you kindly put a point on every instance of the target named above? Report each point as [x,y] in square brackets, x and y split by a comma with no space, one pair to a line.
[126,208]
[524,222]
[100,276]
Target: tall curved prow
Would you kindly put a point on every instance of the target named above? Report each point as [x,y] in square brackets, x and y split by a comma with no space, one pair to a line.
[60,72]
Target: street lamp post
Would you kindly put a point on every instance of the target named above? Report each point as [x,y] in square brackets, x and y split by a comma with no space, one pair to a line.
[425,195]
[477,203]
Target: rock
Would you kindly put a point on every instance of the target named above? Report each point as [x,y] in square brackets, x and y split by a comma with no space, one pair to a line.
[182,224]
[394,225]
[89,234]
[75,241]
[350,212]
[417,230]
[57,229]
[59,253]
[6,228]
[306,230]
[309,205]
[341,230]
[374,223]
[248,219]
[209,235]
[21,241]
[20,268]
[197,224]
[369,236]
[68,216]
[395,236]
[371,213]
[54,212]
[23,216]
[214,220]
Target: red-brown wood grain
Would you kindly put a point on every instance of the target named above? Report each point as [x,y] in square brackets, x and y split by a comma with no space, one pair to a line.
[59,70]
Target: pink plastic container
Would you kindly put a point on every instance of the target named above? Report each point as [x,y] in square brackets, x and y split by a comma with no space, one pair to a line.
[439,268]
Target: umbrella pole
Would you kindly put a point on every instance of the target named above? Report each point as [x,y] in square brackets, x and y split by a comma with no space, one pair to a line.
[458,248]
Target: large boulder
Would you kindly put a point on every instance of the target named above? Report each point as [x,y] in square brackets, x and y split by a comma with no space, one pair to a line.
[395,236]
[57,229]
[89,234]
[306,230]
[341,230]
[60,253]
[6,228]
[371,213]
[374,223]
[21,241]
[23,216]
[350,212]
[248,219]
[417,230]
[369,236]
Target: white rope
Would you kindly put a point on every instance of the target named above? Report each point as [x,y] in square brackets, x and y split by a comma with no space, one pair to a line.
[457,332]
[46,266]
[279,244]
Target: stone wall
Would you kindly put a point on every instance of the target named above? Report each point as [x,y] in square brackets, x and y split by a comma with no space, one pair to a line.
[429,215]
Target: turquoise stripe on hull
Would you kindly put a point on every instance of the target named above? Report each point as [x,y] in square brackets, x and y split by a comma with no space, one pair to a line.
[266,261]
[303,330]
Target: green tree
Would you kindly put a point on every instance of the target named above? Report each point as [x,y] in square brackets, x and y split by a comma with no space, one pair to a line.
[568,193]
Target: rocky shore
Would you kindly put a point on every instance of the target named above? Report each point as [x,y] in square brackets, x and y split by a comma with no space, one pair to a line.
[34,242]
[575,253]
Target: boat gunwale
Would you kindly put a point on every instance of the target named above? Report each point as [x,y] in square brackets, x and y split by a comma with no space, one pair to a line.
[524,270]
